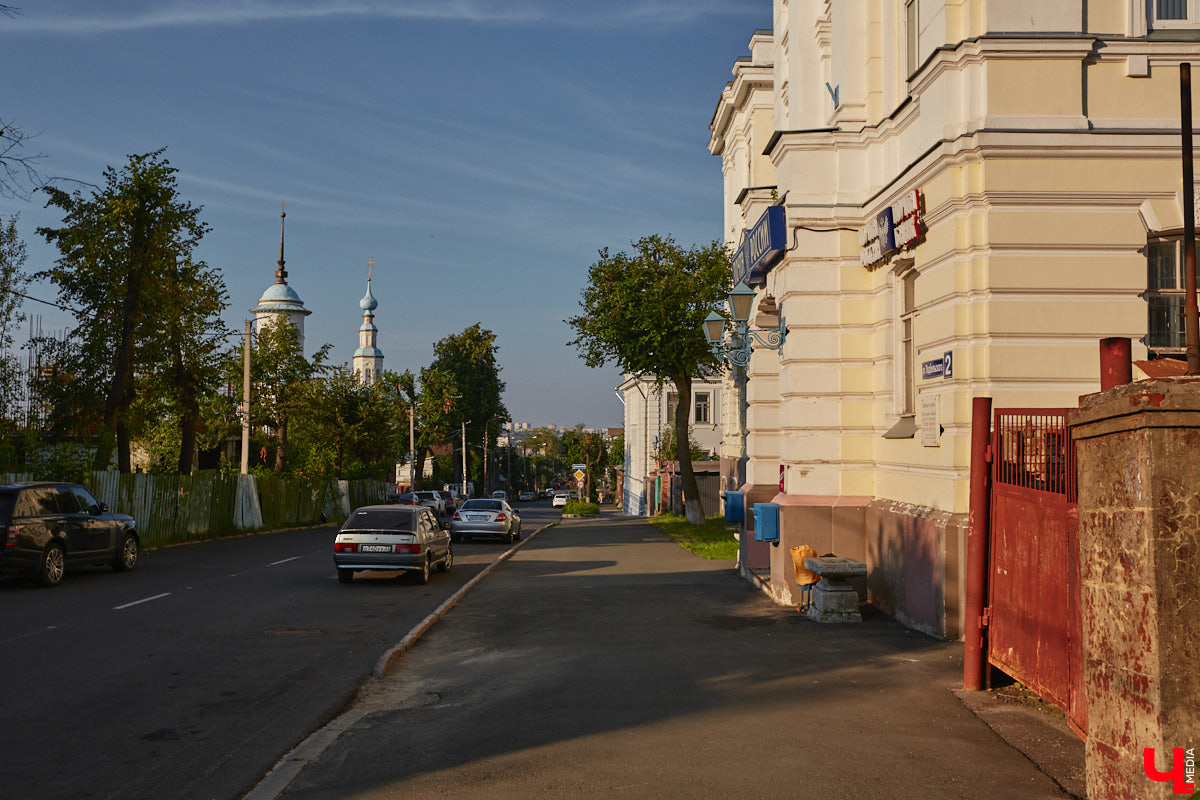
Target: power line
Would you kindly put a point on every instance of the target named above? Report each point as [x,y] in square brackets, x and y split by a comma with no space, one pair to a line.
[47,302]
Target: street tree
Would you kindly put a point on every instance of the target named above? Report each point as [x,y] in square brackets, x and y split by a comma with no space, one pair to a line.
[431,394]
[587,448]
[125,254]
[280,378]
[643,311]
[13,281]
[467,360]
[352,429]
[184,359]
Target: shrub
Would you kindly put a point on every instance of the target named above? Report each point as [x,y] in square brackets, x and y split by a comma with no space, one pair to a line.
[579,508]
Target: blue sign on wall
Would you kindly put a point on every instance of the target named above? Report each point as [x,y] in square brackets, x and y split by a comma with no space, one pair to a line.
[761,246]
[940,368]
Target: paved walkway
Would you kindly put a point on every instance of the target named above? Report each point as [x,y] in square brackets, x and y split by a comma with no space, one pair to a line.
[604,661]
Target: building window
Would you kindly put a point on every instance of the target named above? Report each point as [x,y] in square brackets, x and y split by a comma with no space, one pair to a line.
[908,350]
[1172,13]
[702,414]
[911,38]
[1165,295]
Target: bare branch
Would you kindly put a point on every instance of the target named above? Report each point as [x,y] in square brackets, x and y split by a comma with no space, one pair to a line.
[18,169]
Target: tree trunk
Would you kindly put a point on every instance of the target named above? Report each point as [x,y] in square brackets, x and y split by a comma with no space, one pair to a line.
[683,451]
[189,416]
[124,462]
[281,445]
[189,427]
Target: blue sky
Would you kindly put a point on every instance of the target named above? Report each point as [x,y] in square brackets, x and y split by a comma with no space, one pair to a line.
[480,152]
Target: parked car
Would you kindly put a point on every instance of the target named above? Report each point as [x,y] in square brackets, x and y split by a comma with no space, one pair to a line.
[500,494]
[526,497]
[403,499]
[546,494]
[51,526]
[433,500]
[392,537]
[560,499]
[450,499]
[485,518]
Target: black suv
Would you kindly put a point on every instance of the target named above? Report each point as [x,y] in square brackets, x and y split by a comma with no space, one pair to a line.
[48,526]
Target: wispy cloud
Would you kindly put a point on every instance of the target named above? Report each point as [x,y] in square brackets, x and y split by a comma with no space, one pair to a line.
[193,13]
[78,18]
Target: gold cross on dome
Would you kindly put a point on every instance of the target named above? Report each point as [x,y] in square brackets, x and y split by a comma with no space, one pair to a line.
[370,266]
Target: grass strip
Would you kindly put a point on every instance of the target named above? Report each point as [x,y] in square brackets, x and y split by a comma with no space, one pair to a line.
[711,540]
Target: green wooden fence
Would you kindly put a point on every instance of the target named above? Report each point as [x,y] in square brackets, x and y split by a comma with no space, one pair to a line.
[179,508]
[176,508]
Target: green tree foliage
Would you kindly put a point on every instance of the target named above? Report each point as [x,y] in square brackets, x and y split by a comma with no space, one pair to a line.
[280,381]
[13,281]
[616,456]
[468,377]
[147,312]
[643,311]
[668,449]
[588,448]
[350,429]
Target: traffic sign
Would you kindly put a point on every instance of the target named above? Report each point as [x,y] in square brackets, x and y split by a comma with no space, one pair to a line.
[579,474]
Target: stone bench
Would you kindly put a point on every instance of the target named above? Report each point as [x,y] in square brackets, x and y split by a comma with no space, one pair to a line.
[834,598]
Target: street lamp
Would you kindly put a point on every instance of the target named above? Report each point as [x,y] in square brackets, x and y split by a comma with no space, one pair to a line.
[738,349]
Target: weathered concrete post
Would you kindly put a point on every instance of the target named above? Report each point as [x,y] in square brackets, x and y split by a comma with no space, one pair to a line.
[1138,451]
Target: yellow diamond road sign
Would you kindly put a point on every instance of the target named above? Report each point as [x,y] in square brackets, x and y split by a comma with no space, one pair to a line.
[578,474]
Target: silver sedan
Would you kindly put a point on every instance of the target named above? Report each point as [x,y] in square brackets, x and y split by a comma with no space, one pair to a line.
[485,518]
[392,538]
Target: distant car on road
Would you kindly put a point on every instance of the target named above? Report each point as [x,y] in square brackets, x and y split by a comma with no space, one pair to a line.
[450,499]
[560,500]
[525,497]
[500,494]
[433,500]
[50,526]
[485,518]
[393,537]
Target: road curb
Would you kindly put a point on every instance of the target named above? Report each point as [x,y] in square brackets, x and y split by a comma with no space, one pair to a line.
[387,661]
[287,768]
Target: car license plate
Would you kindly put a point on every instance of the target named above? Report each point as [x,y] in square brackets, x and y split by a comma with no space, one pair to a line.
[477,517]
[375,548]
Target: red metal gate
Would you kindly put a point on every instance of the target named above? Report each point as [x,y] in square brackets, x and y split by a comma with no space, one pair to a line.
[1035,631]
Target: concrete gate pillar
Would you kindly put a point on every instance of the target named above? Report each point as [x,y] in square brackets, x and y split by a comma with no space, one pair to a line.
[1138,451]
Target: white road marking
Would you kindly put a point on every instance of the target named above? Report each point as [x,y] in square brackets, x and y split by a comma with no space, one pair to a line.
[143,600]
[284,561]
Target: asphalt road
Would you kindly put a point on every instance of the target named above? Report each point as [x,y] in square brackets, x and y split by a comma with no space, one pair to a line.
[602,661]
[192,675]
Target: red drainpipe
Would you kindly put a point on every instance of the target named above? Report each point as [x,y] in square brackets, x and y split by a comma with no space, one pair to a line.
[974,662]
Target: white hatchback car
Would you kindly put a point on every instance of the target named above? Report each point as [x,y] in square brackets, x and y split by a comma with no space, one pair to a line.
[560,499]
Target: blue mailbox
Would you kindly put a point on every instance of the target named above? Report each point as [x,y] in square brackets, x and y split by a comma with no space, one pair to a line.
[735,506]
[766,522]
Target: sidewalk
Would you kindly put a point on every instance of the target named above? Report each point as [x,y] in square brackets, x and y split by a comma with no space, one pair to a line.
[602,660]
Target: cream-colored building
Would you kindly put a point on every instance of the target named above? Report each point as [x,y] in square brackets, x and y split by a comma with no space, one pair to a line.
[974,192]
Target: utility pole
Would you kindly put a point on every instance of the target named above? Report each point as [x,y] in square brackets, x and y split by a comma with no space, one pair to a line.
[246,402]
[412,449]
[464,457]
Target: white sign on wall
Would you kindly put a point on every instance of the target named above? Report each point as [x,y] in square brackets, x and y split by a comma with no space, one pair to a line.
[931,427]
